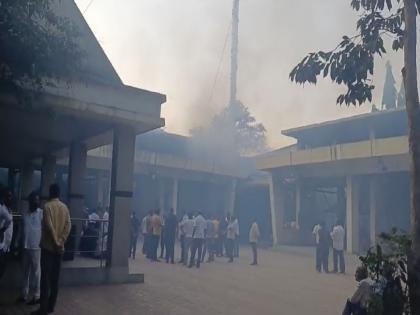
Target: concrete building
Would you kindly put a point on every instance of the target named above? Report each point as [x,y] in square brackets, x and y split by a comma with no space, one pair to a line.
[171,172]
[353,169]
[71,118]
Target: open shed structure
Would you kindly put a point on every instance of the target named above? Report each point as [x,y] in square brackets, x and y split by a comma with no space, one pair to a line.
[70,119]
[353,169]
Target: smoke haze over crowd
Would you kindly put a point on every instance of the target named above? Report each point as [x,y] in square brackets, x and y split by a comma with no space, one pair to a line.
[174,47]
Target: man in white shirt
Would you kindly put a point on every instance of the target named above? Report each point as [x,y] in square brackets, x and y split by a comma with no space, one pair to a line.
[182,238]
[337,236]
[143,229]
[187,228]
[200,225]
[236,242]
[32,230]
[254,235]
[6,226]
[230,238]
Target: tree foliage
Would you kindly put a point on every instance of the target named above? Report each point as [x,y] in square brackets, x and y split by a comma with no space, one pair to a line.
[387,264]
[389,96]
[233,129]
[351,63]
[37,45]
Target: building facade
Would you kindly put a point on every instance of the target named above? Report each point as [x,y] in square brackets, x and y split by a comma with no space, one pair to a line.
[354,170]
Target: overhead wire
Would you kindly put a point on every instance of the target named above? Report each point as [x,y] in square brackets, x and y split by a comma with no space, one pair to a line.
[88,6]
[219,67]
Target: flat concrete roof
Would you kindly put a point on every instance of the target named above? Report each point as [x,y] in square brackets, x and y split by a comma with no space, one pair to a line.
[385,119]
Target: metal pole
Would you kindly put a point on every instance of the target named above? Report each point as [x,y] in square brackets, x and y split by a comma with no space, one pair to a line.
[234,52]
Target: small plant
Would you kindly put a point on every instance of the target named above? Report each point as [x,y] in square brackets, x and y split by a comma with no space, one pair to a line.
[387,265]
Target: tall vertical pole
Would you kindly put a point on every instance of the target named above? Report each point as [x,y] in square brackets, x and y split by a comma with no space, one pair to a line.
[234,52]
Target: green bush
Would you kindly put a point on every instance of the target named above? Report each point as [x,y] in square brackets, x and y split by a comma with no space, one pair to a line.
[387,267]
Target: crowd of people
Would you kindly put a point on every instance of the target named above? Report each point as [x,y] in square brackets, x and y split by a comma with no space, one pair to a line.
[44,233]
[199,237]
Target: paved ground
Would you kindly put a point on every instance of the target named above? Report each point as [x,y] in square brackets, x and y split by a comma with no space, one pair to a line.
[284,283]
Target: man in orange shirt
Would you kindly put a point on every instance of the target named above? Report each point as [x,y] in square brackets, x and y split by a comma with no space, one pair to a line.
[156,232]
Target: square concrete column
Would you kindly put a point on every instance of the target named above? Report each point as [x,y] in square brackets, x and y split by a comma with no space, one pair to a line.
[174,203]
[230,197]
[352,214]
[374,200]
[161,196]
[120,201]
[48,169]
[103,188]
[76,187]
[277,205]
[27,186]
[76,181]
[298,202]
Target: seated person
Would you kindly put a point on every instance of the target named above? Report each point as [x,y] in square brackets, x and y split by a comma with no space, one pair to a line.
[358,303]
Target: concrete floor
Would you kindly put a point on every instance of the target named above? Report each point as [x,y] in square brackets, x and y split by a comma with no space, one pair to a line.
[284,283]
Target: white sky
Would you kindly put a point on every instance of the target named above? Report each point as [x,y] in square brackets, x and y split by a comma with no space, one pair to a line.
[174,47]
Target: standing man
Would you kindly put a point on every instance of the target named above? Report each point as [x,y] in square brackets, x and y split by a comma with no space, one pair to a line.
[323,247]
[236,243]
[187,227]
[315,232]
[162,235]
[148,242]
[32,230]
[230,239]
[156,224]
[134,235]
[55,230]
[210,241]
[171,226]
[143,228]
[182,237]
[6,226]
[254,235]
[337,236]
[223,223]
[200,226]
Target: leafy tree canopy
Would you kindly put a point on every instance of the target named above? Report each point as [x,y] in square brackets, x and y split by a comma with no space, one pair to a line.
[351,63]
[234,130]
[37,46]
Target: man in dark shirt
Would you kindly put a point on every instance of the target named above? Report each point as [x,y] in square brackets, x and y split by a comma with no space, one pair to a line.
[171,225]
[134,235]
[323,247]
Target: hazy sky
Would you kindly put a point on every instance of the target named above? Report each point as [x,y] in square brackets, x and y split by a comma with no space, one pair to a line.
[174,47]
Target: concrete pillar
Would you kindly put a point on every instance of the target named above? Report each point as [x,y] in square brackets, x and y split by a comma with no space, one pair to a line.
[27,186]
[76,187]
[174,203]
[120,201]
[230,197]
[298,201]
[352,214]
[162,196]
[277,204]
[48,169]
[103,189]
[374,192]
[76,180]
